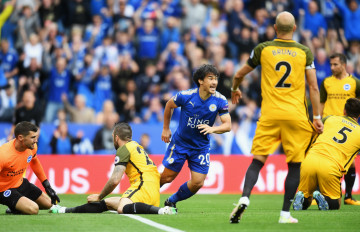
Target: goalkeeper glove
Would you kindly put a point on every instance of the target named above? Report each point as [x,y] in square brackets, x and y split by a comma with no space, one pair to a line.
[51,192]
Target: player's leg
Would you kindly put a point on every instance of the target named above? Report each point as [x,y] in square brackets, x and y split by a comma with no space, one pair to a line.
[17,203]
[167,176]
[296,137]
[199,163]
[44,201]
[143,199]
[173,161]
[330,186]
[265,142]
[308,182]
[349,183]
[127,206]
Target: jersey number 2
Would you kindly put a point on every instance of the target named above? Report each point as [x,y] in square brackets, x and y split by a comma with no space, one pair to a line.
[281,83]
[344,136]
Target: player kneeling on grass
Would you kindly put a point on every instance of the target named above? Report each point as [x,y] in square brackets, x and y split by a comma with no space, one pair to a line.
[329,159]
[143,195]
[17,192]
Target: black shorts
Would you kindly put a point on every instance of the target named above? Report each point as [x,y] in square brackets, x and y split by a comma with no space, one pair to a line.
[11,196]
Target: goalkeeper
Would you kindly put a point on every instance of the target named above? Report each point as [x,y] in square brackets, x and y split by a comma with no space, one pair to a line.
[17,192]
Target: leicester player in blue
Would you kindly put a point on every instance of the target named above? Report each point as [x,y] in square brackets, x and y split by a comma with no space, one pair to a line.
[191,141]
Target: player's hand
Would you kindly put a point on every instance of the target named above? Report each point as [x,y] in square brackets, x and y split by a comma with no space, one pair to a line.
[93,198]
[51,192]
[319,126]
[235,96]
[205,129]
[166,135]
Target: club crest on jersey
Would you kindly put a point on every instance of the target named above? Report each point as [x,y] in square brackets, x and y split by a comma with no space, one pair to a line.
[347,87]
[7,193]
[29,159]
[171,160]
[117,159]
[212,107]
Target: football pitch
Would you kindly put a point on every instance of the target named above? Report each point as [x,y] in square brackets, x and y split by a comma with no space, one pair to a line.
[199,213]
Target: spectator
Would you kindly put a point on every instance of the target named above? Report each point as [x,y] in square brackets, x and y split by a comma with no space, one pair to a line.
[49,12]
[77,13]
[143,81]
[7,102]
[79,113]
[124,44]
[62,142]
[322,65]
[59,84]
[170,33]
[129,103]
[103,141]
[148,42]
[27,23]
[145,142]
[171,58]
[31,78]
[194,14]
[123,17]
[103,88]
[314,22]
[106,54]
[351,18]
[33,49]
[154,113]
[5,14]
[26,110]
[8,59]
[107,110]
[97,31]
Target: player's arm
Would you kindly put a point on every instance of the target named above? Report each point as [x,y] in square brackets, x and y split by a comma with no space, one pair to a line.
[166,133]
[39,172]
[225,126]
[238,78]
[314,98]
[112,182]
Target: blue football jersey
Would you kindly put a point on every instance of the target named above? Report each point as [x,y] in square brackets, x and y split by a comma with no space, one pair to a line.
[195,111]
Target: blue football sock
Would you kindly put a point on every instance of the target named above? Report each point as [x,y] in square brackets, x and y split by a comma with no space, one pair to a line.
[182,194]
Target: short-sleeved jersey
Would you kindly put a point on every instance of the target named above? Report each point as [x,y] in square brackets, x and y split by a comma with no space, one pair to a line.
[13,164]
[283,64]
[139,167]
[339,142]
[195,111]
[334,93]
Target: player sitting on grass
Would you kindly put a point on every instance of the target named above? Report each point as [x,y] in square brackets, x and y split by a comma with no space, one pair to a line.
[21,196]
[143,195]
[329,159]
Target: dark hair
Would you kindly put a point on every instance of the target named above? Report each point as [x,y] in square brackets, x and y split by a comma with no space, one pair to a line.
[204,70]
[123,130]
[352,107]
[341,56]
[24,128]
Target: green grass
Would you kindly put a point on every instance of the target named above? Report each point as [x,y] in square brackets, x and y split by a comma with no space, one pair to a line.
[199,213]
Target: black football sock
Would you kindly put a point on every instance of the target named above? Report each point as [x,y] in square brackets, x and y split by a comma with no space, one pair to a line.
[349,182]
[333,203]
[140,208]
[306,203]
[94,207]
[291,184]
[251,176]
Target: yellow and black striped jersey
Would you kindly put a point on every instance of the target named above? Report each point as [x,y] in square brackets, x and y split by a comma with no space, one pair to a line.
[339,141]
[139,167]
[335,92]
[283,64]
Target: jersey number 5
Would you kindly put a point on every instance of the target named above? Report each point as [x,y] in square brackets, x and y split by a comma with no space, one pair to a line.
[344,136]
[281,83]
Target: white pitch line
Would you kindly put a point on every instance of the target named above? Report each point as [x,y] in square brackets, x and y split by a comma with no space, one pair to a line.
[150,223]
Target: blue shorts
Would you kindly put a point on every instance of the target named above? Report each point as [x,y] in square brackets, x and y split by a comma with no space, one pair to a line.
[198,160]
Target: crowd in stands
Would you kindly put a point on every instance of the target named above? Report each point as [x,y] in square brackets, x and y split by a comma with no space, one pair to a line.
[93,61]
